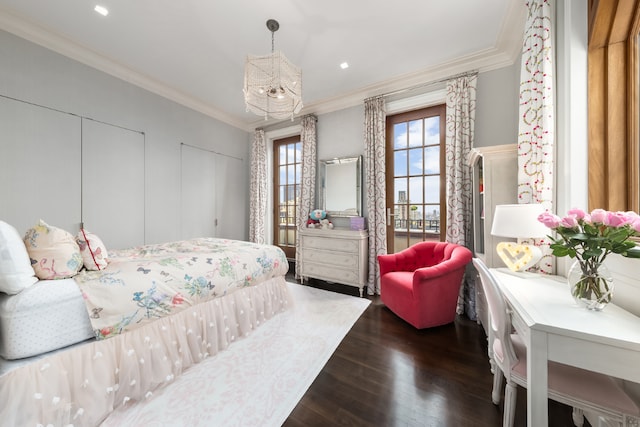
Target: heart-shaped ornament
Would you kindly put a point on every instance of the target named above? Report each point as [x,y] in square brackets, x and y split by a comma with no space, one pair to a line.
[518,257]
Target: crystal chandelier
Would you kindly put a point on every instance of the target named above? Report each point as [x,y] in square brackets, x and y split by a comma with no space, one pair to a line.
[272,84]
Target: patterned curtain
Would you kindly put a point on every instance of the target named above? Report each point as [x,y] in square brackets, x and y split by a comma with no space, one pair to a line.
[258,188]
[374,155]
[537,121]
[461,112]
[307,178]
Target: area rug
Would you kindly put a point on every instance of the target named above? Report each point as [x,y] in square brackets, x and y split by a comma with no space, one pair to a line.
[258,380]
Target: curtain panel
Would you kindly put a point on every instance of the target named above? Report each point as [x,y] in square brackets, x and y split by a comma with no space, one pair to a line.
[374,164]
[258,188]
[307,202]
[537,121]
[460,123]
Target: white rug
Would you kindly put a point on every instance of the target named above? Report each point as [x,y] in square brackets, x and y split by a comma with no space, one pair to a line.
[258,380]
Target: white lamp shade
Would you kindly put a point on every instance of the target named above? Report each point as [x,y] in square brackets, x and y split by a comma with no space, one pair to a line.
[518,221]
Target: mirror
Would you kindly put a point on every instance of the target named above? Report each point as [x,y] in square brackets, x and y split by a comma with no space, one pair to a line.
[341,181]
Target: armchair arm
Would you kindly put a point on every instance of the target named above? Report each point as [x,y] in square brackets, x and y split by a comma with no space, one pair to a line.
[460,257]
[387,263]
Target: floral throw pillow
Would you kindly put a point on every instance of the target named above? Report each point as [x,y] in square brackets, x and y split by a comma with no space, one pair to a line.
[53,251]
[93,251]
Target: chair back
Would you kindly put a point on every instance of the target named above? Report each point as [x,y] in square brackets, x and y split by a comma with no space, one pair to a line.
[499,320]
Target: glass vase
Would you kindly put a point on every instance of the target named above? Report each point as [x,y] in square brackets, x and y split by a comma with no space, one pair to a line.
[591,286]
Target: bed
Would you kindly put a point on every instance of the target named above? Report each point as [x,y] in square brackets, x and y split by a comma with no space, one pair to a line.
[109,337]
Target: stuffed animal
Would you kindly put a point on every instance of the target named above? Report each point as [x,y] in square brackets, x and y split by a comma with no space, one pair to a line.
[315,216]
[325,224]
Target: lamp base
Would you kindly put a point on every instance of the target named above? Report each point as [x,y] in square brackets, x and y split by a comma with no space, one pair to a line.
[518,257]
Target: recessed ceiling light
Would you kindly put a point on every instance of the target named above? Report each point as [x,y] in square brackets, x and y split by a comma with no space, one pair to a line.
[101,10]
[344,65]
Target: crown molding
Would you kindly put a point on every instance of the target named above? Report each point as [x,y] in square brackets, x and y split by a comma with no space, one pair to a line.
[505,53]
[66,47]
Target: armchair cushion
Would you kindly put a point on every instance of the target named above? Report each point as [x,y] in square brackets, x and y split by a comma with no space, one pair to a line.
[421,283]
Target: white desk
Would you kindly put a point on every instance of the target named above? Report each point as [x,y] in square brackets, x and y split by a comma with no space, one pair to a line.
[556,328]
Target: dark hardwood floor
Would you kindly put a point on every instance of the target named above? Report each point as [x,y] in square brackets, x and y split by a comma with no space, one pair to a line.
[387,373]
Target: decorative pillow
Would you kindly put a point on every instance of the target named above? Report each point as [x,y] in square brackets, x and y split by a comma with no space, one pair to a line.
[93,251]
[16,272]
[53,251]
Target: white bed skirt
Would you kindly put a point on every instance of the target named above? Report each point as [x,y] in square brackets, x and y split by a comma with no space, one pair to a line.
[82,385]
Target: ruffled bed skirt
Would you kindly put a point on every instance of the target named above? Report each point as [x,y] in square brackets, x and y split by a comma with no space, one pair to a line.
[82,385]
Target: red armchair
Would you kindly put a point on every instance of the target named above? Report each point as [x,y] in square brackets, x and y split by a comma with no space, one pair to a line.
[421,283]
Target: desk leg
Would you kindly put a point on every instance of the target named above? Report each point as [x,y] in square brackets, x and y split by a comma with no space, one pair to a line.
[537,389]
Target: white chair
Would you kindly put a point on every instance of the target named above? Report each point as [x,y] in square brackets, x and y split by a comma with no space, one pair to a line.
[584,390]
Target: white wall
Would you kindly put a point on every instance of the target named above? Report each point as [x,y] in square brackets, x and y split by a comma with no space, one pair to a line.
[43,78]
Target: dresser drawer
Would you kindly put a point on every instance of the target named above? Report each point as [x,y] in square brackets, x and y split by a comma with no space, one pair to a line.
[342,245]
[333,258]
[330,273]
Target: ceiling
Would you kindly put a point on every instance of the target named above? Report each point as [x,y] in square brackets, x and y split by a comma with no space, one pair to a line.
[193,51]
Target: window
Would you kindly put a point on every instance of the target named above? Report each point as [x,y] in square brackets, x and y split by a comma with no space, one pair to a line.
[287,155]
[613,81]
[415,177]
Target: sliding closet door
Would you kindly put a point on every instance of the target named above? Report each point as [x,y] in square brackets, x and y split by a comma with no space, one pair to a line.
[39,166]
[198,183]
[113,183]
[231,208]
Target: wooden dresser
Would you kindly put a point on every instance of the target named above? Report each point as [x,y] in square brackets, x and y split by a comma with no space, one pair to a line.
[338,255]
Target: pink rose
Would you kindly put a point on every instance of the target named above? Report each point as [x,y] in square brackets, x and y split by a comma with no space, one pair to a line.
[598,216]
[569,221]
[635,224]
[578,213]
[549,220]
[615,219]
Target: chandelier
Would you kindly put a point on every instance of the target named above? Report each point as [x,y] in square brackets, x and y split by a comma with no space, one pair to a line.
[272,84]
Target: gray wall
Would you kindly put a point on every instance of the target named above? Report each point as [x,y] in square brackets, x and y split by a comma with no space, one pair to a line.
[340,133]
[497,106]
[52,159]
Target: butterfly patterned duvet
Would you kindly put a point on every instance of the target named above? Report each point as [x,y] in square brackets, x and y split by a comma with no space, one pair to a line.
[148,282]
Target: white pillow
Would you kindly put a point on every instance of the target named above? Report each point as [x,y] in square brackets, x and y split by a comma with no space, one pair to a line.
[53,251]
[93,251]
[16,272]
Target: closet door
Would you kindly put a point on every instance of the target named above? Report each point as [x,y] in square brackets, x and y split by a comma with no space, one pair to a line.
[198,192]
[232,207]
[39,166]
[113,184]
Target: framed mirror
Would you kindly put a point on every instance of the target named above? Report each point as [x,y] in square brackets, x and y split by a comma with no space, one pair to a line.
[341,186]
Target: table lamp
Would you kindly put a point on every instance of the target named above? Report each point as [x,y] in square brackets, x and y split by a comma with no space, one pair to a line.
[519,222]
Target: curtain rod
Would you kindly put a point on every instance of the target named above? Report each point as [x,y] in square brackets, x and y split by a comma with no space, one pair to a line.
[427,84]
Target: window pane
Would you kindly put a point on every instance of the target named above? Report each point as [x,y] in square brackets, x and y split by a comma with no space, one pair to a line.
[416,218]
[415,189]
[291,236]
[432,218]
[283,175]
[400,163]
[283,154]
[400,190]
[415,161]
[291,174]
[282,193]
[415,133]
[432,160]
[432,189]
[401,217]
[432,131]
[400,135]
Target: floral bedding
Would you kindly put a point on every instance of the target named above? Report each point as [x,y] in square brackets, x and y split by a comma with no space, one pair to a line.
[148,282]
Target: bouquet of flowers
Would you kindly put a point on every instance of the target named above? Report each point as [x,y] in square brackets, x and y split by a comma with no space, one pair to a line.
[590,238]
